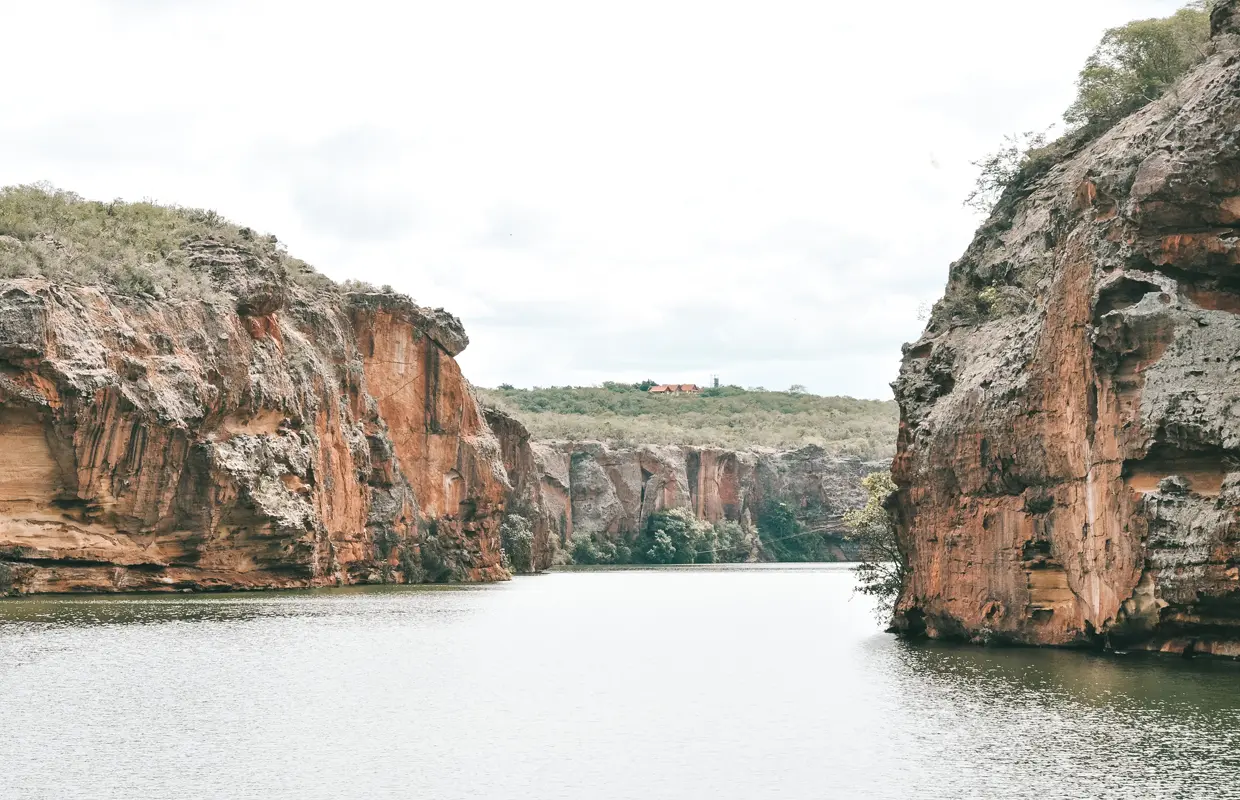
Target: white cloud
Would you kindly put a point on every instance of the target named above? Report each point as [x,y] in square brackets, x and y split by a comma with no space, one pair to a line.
[763,190]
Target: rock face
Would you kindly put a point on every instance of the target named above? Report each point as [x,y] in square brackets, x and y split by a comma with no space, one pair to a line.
[271,436]
[590,488]
[540,486]
[1068,473]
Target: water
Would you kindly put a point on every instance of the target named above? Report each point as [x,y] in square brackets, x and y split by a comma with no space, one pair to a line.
[721,683]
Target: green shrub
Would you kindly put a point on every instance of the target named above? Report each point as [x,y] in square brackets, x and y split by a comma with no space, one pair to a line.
[1012,164]
[661,550]
[676,537]
[733,544]
[785,538]
[882,567]
[584,549]
[131,248]
[517,541]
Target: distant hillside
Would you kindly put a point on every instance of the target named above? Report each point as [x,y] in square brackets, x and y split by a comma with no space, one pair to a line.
[729,416]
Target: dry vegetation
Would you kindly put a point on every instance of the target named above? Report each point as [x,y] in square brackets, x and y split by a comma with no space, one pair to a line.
[131,248]
[624,414]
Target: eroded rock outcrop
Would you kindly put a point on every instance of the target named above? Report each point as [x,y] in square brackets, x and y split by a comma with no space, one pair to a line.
[540,487]
[608,492]
[270,436]
[1068,472]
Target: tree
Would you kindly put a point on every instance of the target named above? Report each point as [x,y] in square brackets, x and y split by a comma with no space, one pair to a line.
[785,538]
[661,551]
[797,388]
[585,550]
[675,536]
[1135,64]
[1132,66]
[882,566]
[517,541]
[733,544]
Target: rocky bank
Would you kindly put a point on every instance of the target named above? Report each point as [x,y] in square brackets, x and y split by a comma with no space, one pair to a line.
[1069,465]
[272,435]
[608,492]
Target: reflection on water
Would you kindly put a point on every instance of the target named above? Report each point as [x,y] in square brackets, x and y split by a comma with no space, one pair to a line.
[679,683]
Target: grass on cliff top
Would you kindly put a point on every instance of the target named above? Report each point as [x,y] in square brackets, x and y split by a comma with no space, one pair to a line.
[132,248]
[732,417]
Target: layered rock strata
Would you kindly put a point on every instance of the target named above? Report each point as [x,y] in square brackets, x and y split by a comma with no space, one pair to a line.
[606,492]
[1069,466]
[270,436]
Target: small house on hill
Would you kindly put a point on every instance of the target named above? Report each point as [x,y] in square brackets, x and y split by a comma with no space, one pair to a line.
[675,388]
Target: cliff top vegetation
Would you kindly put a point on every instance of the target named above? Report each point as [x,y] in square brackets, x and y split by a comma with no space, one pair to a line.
[130,248]
[1132,66]
[727,416]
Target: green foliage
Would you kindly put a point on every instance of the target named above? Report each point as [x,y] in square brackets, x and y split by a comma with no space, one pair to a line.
[1135,64]
[669,537]
[786,538]
[586,550]
[131,248]
[517,541]
[661,550]
[675,537]
[733,544]
[882,566]
[727,416]
[781,534]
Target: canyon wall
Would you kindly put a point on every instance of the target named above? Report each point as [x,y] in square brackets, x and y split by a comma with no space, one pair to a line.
[1068,465]
[271,435]
[607,492]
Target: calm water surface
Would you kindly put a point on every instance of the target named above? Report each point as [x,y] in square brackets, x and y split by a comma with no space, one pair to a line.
[694,683]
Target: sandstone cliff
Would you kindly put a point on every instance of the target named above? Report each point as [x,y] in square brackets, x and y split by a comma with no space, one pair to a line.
[1067,467]
[608,492]
[273,435]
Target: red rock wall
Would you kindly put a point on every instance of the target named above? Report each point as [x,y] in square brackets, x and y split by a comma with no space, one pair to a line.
[173,445]
[1066,469]
[595,490]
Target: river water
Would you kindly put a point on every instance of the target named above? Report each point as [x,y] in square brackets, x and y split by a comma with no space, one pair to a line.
[739,682]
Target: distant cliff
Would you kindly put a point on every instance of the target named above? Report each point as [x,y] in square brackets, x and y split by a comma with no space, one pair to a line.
[267,434]
[605,492]
[1067,463]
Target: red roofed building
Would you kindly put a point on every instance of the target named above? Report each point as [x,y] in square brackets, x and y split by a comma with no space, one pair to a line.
[676,388]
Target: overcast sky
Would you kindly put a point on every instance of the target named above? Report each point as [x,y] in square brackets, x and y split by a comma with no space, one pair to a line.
[762,190]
